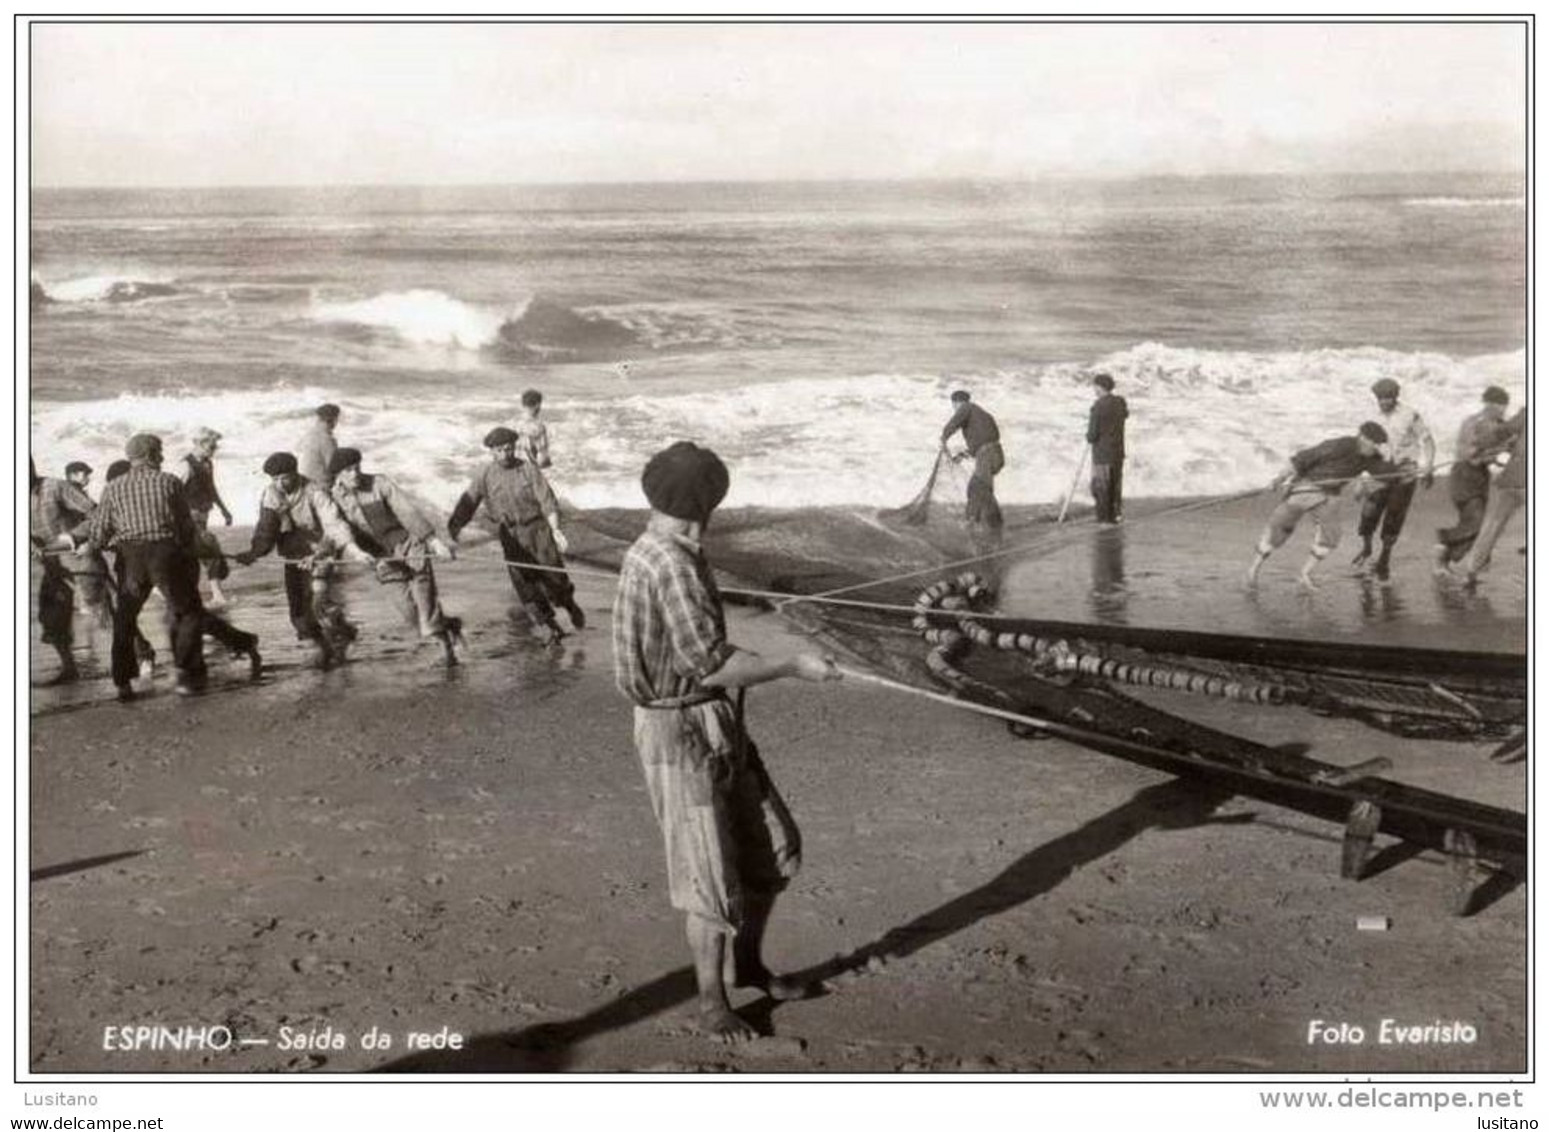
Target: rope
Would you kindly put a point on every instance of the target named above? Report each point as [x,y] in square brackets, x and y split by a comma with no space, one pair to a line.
[1049,541]
[951,701]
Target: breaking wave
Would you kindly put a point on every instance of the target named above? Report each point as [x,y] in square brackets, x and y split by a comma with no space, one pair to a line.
[1202,422]
[538,329]
[100,289]
[427,318]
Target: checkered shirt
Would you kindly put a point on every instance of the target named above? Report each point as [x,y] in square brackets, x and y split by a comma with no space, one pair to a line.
[143,505]
[62,507]
[669,632]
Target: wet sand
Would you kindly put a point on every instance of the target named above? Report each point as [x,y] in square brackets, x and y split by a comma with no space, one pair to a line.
[391,845]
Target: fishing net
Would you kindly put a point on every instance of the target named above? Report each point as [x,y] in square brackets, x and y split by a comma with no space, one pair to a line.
[916,513]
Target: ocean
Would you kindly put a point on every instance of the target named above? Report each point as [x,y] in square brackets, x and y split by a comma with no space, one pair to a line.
[809,332]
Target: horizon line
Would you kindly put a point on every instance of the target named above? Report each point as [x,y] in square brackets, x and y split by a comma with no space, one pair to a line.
[1064,178]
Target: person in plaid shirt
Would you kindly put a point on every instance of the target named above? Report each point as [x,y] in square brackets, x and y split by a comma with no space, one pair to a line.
[144,516]
[731,844]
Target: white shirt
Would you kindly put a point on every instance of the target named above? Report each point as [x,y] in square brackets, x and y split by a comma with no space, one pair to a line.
[1407,435]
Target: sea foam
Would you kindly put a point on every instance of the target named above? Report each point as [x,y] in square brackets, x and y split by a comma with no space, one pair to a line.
[1201,422]
[422,317]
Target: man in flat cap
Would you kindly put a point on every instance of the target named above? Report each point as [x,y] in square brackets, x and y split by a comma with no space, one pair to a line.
[730,842]
[1412,451]
[1312,484]
[387,524]
[1105,433]
[520,502]
[76,580]
[305,524]
[981,437]
[144,517]
[318,446]
[198,473]
[1482,437]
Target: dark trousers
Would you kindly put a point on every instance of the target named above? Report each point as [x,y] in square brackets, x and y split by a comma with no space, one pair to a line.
[539,590]
[315,609]
[1388,506]
[225,633]
[983,509]
[56,603]
[1459,539]
[1108,491]
[143,567]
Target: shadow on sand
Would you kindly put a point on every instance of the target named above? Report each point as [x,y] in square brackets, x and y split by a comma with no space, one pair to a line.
[550,1047]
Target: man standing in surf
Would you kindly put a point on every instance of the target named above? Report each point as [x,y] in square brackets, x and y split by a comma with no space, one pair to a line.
[515,495]
[982,436]
[1313,484]
[532,432]
[1413,451]
[1105,433]
[730,842]
[318,446]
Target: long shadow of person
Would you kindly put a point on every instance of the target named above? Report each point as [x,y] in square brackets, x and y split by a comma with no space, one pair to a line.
[549,1047]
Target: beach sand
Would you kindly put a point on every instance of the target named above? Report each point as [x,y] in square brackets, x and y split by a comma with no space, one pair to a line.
[394,846]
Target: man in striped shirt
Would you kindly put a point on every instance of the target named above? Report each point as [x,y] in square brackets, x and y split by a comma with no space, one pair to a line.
[302,522]
[144,516]
[731,844]
[389,526]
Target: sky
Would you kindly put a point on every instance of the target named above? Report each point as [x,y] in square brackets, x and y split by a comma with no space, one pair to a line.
[211,105]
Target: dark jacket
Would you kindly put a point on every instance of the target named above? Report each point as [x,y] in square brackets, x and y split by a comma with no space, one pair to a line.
[979,428]
[1105,428]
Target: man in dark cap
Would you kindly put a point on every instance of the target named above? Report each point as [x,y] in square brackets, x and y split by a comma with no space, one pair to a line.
[305,524]
[56,591]
[1105,433]
[731,844]
[75,580]
[1482,437]
[1312,484]
[144,516]
[318,446]
[520,502]
[387,524]
[981,435]
[1412,451]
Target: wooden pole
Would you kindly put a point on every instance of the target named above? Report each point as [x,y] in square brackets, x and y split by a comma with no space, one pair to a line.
[1074,480]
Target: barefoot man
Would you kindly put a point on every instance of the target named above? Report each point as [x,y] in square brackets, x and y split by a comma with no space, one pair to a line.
[731,843]
[1312,484]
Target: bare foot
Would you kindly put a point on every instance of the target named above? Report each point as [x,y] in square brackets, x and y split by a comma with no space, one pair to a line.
[1305,577]
[723,1024]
